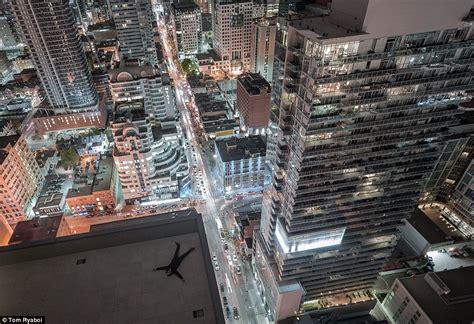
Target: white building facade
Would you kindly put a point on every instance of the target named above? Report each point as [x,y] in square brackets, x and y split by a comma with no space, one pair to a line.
[263,47]
[232,29]
[187,23]
[148,84]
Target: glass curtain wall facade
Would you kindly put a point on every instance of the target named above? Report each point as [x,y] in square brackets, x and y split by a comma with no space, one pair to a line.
[49,30]
[356,129]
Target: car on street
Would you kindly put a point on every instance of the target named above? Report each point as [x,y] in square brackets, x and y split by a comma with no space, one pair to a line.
[221,286]
[234,257]
[238,270]
[236,313]
[228,313]
[224,300]
[216,266]
[226,247]
[214,257]
[229,259]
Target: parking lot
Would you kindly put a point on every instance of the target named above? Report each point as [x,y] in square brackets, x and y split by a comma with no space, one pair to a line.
[443,261]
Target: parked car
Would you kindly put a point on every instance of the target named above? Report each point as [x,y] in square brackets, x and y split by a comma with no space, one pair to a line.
[221,286]
[227,312]
[238,270]
[236,313]
[224,300]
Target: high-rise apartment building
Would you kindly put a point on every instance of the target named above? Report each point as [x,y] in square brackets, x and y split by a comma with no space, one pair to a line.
[146,83]
[20,177]
[363,103]
[150,165]
[50,31]
[263,47]
[134,23]
[232,29]
[253,103]
[187,22]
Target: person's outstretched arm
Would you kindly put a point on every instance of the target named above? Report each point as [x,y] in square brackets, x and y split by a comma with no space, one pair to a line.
[186,254]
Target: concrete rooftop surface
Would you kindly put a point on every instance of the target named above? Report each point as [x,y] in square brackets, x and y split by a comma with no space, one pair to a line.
[106,276]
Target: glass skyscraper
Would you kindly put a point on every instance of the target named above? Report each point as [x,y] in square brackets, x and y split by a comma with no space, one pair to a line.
[49,30]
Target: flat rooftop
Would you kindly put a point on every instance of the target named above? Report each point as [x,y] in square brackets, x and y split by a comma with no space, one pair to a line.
[35,229]
[42,156]
[241,148]
[427,228]
[101,180]
[453,307]
[4,142]
[254,84]
[105,276]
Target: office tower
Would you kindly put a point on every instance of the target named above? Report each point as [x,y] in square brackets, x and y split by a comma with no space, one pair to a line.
[20,178]
[253,103]
[146,83]
[134,23]
[187,23]
[363,105]
[263,47]
[49,30]
[150,164]
[232,34]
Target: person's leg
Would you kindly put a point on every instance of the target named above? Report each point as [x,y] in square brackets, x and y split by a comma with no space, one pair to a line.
[160,268]
[185,254]
[176,252]
[179,275]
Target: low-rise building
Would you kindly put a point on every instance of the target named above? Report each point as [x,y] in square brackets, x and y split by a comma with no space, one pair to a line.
[20,178]
[241,162]
[14,108]
[210,63]
[216,117]
[39,229]
[47,121]
[50,205]
[97,194]
[434,297]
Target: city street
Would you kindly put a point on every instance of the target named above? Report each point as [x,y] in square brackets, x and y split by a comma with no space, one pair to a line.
[239,289]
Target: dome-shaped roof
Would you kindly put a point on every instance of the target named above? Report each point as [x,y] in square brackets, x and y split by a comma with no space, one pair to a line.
[124,76]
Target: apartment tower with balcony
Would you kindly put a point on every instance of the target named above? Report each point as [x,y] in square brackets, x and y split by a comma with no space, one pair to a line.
[145,83]
[363,99]
[149,160]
